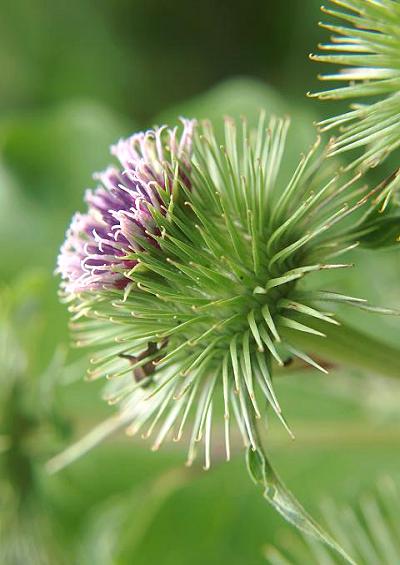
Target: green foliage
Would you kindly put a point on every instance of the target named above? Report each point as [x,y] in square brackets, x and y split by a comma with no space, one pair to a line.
[47,158]
[283,501]
[30,426]
[369,530]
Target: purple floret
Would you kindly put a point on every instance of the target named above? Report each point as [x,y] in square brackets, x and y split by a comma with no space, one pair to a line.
[97,252]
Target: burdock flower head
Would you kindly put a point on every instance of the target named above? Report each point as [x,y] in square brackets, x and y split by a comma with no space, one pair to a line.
[186,268]
[368,46]
[189,273]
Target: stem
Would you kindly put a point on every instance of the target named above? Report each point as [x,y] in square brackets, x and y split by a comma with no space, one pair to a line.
[276,493]
[345,345]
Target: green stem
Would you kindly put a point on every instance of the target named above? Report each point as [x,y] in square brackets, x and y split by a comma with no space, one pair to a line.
[345,345]
[276,493]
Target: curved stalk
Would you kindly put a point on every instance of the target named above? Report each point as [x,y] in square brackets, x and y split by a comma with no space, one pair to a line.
[276,493]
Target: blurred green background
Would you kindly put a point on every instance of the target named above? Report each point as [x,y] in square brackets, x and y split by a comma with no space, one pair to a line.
[76,77]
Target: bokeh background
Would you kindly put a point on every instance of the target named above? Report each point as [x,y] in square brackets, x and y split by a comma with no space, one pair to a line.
[77,76]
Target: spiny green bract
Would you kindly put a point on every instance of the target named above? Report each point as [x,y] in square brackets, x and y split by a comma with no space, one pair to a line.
[369,48]
[214,287]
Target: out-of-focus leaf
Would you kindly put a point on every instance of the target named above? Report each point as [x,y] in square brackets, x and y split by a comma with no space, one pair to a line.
[47,159]
[29,424]
[243,97]
[368,529]
[117,528]
[27,537]
[53,153]
[236,97]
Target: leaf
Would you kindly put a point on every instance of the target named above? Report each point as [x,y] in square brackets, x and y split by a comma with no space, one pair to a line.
[276,493]
[368,526]
[85,128]
[238,97]
[118,527]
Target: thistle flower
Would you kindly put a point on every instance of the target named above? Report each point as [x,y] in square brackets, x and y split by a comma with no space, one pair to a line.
[369,48]
[190,274]
[193,296]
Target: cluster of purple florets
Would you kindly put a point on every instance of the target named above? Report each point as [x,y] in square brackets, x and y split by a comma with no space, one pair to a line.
[97,252]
